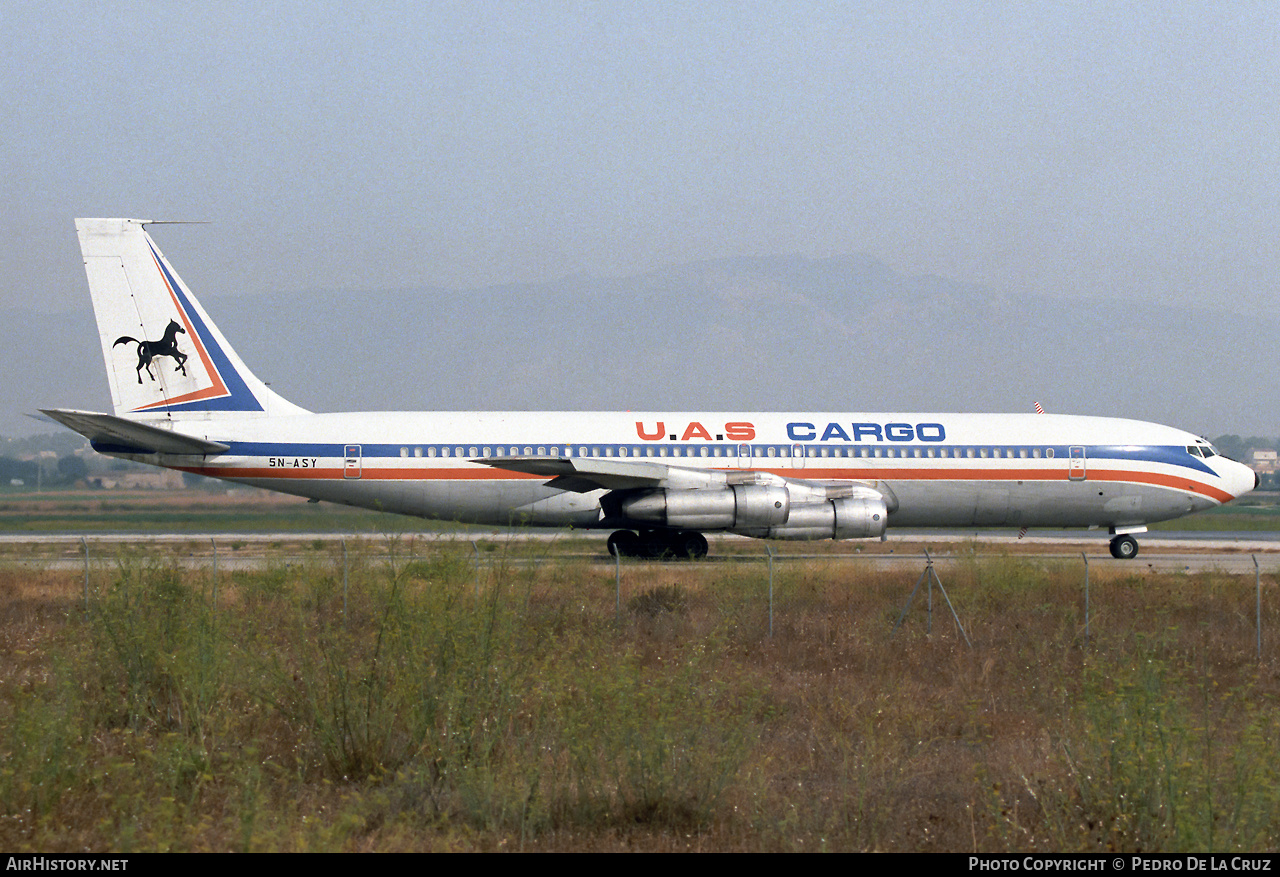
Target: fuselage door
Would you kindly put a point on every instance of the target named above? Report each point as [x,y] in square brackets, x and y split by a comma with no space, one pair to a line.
[744,456]
[1075,469]
[351,461]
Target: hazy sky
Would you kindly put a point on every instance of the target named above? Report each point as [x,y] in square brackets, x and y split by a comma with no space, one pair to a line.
[1076,149]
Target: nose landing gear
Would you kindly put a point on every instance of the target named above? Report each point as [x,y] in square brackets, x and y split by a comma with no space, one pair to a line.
[1124,548]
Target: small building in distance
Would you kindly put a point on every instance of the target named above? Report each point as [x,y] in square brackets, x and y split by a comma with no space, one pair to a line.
[1263,460]
[168,479]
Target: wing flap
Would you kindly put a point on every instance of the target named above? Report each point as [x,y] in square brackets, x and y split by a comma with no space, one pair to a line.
[584,474]
[107,429]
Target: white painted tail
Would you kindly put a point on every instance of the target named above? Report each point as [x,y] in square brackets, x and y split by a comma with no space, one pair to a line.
[165,358]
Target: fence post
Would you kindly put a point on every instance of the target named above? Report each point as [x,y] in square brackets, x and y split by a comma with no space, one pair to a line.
[86,575]
[769,548]
[476,549]
[215,575]
[344,581]
[932,576]
[1085,557]
[1257,611]
[617,583]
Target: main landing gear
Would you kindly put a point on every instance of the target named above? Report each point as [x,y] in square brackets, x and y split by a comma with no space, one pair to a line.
[1124,548]
[679,544]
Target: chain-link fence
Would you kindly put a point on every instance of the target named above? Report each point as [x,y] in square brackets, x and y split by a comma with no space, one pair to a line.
[753,590]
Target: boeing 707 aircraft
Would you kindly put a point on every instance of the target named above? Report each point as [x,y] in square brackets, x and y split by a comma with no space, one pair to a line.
[184,400]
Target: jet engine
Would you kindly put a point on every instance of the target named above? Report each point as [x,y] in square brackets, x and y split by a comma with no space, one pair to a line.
[847,517]
[723,508]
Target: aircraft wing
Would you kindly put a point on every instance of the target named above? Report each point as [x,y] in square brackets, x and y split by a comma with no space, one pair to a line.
[584,474]
[107,429]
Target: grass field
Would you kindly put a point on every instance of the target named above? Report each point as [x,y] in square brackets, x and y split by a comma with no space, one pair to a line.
[179,511]
[526,709]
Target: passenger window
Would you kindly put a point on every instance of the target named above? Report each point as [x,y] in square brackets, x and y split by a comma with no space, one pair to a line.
[404,452]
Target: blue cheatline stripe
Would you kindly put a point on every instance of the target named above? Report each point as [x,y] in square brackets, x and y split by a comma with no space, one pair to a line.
[1169,455]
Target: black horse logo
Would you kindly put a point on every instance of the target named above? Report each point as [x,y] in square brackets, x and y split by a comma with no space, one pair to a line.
[166,346]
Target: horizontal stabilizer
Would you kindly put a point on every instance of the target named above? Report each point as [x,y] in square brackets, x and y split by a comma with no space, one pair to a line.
[107,429]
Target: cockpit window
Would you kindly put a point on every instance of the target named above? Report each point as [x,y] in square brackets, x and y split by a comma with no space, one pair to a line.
[1193,450]
[1209,450]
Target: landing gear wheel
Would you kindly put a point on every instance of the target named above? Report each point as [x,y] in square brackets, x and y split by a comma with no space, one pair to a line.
[673,544]
[655,544]
[689,545]
[623,543]
[1124,548]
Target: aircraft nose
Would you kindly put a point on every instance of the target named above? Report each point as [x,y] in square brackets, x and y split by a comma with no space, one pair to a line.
[1237,478]
[1244,480]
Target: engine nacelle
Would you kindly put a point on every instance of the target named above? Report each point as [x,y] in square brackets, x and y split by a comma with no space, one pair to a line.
[849,517]
[724,508]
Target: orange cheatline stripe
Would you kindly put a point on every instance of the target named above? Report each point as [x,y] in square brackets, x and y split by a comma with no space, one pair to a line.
[488,473]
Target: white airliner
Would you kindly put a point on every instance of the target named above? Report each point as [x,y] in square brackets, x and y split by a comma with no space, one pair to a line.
[184,400]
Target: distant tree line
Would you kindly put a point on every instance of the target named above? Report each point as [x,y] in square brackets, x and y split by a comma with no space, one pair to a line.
[1238,447]
[69,469]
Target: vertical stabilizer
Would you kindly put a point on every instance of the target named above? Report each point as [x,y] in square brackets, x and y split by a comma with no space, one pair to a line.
[165,358]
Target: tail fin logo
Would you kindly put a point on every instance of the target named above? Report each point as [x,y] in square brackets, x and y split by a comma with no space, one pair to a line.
[149,350]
